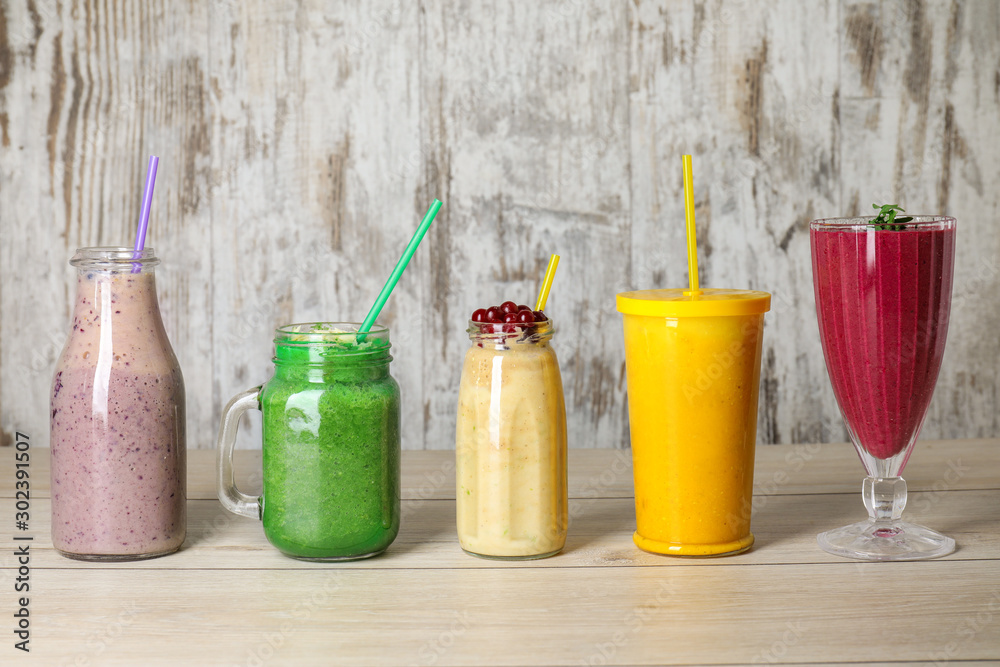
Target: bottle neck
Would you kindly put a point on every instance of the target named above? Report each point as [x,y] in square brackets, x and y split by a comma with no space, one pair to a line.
[117,323]
[103,296]
[116,283]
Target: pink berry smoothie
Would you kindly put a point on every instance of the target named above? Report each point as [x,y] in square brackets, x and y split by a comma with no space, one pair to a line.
[883,298]
[117,426]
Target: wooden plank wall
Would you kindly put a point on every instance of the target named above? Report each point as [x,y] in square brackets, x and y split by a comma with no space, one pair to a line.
[301,141]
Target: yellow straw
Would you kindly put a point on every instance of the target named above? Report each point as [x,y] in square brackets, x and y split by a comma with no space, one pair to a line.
[550,273]
[692,241]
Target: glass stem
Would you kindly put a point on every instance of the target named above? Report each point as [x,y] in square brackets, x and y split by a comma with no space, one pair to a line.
[885,497]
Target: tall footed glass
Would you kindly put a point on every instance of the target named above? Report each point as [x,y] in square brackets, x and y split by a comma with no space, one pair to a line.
[883,299]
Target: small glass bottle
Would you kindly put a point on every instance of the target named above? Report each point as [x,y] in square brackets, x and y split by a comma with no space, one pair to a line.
[331,444]
[510,444]
[117,417]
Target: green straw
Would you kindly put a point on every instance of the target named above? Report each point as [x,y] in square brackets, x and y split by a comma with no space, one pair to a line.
[400,267]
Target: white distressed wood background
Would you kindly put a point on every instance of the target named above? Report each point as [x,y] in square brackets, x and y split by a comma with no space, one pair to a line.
[300,143]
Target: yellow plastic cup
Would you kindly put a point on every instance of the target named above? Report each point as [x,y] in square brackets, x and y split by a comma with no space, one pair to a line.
[693,368]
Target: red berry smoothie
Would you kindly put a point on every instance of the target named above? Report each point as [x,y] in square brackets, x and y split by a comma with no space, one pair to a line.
[883,299]
[117,426]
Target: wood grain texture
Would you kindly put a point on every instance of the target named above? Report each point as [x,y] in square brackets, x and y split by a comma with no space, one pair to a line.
[301,142]
[969,465]
[614,616]
[229,598]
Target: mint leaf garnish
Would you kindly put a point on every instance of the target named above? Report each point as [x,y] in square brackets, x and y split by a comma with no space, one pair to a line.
[886,218]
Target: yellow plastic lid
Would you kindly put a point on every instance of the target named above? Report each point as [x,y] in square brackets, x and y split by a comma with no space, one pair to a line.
[709,303]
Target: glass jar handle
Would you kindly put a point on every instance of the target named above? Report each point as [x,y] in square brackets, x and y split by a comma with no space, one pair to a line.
[232,498]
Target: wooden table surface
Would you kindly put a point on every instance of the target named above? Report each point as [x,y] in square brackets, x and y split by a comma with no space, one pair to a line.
[228,598]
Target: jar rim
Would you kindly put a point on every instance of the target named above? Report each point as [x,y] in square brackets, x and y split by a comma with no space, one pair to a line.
[336,338]
[531,333]
[326,344]
[113,258]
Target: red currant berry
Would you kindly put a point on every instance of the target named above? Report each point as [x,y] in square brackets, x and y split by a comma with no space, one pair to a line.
[479,315]
[510,318]
[539,316]
[493,314]
[525,317]
[508,307]
[521,307]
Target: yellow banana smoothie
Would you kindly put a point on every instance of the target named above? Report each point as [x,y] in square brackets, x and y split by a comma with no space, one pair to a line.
[693,369]
[510,444]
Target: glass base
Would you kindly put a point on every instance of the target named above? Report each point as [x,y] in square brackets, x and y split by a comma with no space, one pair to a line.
[885,541]
[529,557]
[334,559]
[115,558]
[693,550]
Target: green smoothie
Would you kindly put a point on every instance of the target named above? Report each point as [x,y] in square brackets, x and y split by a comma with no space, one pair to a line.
[331,444]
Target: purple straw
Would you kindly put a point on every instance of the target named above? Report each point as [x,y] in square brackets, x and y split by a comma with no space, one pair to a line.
[147,200]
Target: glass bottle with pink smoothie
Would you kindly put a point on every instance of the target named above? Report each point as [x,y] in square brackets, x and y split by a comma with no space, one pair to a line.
[117,417]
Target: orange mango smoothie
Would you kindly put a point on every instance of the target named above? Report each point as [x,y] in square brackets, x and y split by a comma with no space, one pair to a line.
[693,374]
[511,448]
